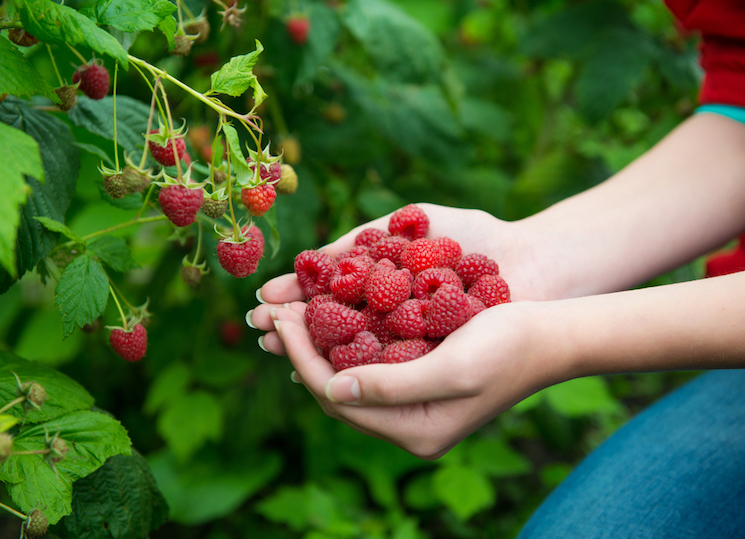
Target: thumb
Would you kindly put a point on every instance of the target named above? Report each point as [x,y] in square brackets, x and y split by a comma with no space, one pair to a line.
[432,377]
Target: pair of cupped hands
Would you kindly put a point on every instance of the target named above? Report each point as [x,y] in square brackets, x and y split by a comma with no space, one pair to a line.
[428,405]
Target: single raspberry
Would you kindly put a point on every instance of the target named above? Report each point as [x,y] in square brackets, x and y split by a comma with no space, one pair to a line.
[408,320]
[115,186]
[335,324]
[350,277]
[288,181]
[370,236]
[58,450]
[314,303]
[491,289]
[214,207]
[129,345]
[135,181]
[448,310]
[429,280]
[181,204]
[255,233]
[164,154]
[298,28]
[419,255]
[21,37]
[391,248]
[376,325]
[402,351]
[474,265]
[475,306]
[94,80]
[35,393]
[354,252]
[36,525]
[199,27]
[314,270]
[67,96]
[387,288]
[259,199]
[239,258]
[363,350]
[450,251]
[231,333]
[410,222]
[191,275]
[385,263]
[182,45]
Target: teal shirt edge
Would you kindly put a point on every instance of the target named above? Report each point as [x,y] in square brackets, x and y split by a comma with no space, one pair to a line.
[736,113]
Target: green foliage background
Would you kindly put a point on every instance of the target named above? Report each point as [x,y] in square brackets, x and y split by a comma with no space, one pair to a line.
[506,106]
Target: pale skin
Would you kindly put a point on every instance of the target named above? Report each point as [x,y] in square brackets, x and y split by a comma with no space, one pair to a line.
[569,268]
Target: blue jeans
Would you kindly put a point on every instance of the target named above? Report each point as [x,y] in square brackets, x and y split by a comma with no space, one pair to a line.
[675,471]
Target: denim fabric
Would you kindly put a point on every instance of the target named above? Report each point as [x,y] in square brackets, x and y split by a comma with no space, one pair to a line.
[677,470]
[736,113]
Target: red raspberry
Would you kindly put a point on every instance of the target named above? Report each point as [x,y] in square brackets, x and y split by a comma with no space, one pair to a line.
[419,255]
[259,199]
[363,350]
[490,289]
[448,310]
[473,266]
[429,280]
[475,306]
[387,288]
[181,204]
[450,251]
[350,277]
[360,250]
[402,351]
[129,345]
[408,320]
[240,259]
[164,154]
[254,232]
[271,172]
[314,303]
[410,222]
[94,80]
[314,270]
[298,27]
[335,324]
[376,325]
[391,248]
[370,236]
[231,333]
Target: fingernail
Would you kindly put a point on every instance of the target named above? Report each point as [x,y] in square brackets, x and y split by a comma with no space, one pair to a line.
[277,327]
[261,344]
[273,313]
[344,389]
[258,296]
[249,322]
[294,377]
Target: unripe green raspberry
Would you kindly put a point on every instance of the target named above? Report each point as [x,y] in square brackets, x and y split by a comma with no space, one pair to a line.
[192,276]
[214,208]
[35,393]
[134,181]
[182,46]
[37,524]
[114,186]
[67,96]
[287,183]
[59,450]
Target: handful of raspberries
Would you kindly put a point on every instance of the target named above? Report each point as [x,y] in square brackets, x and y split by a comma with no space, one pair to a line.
[396,295]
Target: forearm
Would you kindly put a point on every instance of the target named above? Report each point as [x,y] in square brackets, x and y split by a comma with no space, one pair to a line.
[681,199]
[694,325]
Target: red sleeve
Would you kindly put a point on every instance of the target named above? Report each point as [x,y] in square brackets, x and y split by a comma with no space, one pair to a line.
[721,24]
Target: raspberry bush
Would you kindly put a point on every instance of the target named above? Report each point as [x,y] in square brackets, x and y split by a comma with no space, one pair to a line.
[164,158]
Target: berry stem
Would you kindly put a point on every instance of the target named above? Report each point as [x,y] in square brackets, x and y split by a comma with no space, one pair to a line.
[116,147]
[54,64]
[76,53]
[153,100]
[147,199]
[12,403]
[36,452]
[199,242]
[170,129]
[118,306]
[14,512]
[236,233]
[128,304]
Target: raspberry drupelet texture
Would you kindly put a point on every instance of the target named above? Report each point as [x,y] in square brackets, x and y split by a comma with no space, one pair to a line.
[376,324]
[370,236]
[334,324]
[491,290]
[129,345]
[240,259]
[181,204]
[314,303]
[363,350]
[410,222]
[93,79]
[419,255]
[164,154]
[402,351]
[387,288]
[314,270]
[408,320]
[450,251]
[448,310]
[389,247]
[259,199]
[474,265]
[350,277]
[429,280]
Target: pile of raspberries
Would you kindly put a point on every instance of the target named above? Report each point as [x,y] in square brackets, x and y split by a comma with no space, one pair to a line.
[396,295]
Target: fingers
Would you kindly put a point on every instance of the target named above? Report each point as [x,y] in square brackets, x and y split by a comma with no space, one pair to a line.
[282,289]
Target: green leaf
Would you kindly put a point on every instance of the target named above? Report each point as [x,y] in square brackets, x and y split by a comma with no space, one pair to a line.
[189,421]
[581,396]
[300,508]
[616,66]
[237,76]
[171,383]
[168,27]
[274,240]
[399,45]
[130,15]
[486,118]
[496,458]
[212,487]
[18,76]
[60,160]
[82,293]
[321,41]
[463,490]
[91,437]
[64,395]
[120,499]
[114,252]
[7,422]
[244,176]
[376,201]
[41,339]
[26,160]
[56,226]
[62,25]
[97,116]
